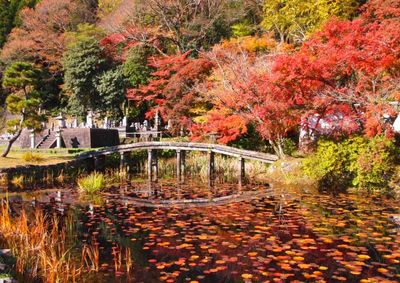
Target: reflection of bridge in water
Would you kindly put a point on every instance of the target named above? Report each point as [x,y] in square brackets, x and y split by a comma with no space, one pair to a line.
[181,148]
[197,202]
[190,193]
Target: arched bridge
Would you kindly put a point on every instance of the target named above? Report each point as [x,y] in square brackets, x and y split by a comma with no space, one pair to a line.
[181,148]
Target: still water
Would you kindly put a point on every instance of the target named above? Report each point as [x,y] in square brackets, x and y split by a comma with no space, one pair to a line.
[195,233]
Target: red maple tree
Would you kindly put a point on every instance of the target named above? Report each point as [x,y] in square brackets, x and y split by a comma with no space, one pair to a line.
[345,75]
[172,88]
[350,67]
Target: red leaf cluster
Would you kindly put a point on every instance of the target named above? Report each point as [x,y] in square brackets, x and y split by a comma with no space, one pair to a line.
[172,89]
[350,67]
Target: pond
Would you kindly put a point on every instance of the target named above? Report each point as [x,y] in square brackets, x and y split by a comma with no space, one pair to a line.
[140,232]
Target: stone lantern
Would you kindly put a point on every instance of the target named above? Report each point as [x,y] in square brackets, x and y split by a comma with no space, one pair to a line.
[89,120]
[61,121]
[157,121]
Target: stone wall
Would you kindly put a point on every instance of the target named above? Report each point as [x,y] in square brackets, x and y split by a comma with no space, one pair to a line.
[89,138]
[76,138]
[104,137]
[24,141]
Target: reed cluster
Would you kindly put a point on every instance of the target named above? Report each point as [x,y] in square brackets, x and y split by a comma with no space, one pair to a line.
[39,248]
[32,157]
[226,168]
[121,256]
[92,183]
[91,256]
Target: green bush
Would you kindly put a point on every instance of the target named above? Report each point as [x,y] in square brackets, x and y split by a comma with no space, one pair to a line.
[92,183]
[289,146]
[395,183]
[357,161]
[375,164]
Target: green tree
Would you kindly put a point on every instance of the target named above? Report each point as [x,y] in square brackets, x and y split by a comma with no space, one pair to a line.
[93,82]
[4,21]
[111,87]
[136,67]
[293,20]
[22,79]
[83,62]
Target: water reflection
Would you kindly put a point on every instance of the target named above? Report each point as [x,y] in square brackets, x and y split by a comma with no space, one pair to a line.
[263,237]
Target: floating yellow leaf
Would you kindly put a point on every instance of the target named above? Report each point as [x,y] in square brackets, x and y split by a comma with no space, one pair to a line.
[247,276]
[362,256]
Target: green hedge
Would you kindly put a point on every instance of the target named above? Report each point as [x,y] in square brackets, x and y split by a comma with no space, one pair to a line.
[357,161]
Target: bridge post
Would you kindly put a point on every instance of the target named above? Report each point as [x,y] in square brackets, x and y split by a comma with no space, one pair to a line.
[99,162]
[242,171]
[210,168]
[180,165]
[155,165]
[90,164]
[123,163]
[183,165]
[152,163]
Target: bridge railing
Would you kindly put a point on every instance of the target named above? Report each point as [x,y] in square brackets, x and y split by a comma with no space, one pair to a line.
[190,146]
[181,148]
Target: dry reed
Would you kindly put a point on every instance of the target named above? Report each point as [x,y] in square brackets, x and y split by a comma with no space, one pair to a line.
[91,256]
[39,248]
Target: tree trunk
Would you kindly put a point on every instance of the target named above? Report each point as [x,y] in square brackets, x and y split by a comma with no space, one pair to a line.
[277,147]
[11,142]
[281,150]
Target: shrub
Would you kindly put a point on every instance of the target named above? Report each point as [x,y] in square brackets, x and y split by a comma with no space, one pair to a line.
[289,146]
[395,183]
[32,157]
[92,183]
[375,164]
[357,161]
[327,166]
[18,181]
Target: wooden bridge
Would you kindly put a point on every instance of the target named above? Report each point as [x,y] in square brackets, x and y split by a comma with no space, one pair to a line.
[180,147]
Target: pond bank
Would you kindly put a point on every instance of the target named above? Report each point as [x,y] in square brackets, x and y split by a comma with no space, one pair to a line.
[30,175]
[290,172]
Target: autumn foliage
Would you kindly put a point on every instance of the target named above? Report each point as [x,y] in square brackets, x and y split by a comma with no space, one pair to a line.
[212,68]
[172,88]
[345,75]
[42,34]
[352,68]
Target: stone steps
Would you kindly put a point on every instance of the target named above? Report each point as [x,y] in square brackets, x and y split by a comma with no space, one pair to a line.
[47,141]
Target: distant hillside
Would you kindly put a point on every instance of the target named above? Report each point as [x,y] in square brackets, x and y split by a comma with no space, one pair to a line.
[9,11]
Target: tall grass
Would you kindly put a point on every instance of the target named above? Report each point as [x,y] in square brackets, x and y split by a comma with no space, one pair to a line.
[92,184]
[18,181]
[226,168]
[32,157]
[91,256]
[39,248]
